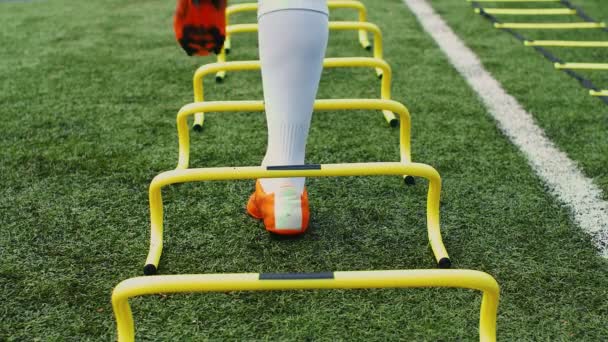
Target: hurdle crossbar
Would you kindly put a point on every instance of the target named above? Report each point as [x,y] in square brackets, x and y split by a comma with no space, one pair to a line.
[333,25]
[347,62]
[320,105]
[581,66]
[527,11]
[566,43]
[205,283]
[331,4]
[550,26]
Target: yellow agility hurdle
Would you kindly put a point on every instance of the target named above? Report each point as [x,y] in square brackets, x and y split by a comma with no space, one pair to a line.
[598,93]
[466,279]
[333,25]
[567,43]
[183,132]
[328,170]
[331,4]
[581,66]
[550,26]
[527,11]
[349,62]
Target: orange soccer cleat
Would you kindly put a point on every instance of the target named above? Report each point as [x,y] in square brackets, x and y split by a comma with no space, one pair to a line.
[200,26]
[285,212]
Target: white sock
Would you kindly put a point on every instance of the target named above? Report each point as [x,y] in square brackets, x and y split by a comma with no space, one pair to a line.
[292,40]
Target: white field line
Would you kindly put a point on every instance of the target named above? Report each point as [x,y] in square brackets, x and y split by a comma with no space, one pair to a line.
[559,172]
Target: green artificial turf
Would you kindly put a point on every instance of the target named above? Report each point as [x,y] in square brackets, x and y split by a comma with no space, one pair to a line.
[89,94]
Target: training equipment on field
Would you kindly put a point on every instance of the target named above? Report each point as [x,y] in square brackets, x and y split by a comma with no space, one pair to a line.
[465,279]
[331,4]
[550,26]
[330,170]
[514,0]
[405,168]
[362,26]
[598,93]
[333,26]
[527,11]
[566,43]
[347,62]
[320,105]
[582,66]
[566,9]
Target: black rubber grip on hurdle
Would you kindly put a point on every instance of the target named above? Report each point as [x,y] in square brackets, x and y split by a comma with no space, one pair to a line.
[444,263]
[296,276]
[149,269]
[409,180]
[394,123]
[294,167]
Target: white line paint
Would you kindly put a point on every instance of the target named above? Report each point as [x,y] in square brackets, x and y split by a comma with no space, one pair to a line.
[559,172]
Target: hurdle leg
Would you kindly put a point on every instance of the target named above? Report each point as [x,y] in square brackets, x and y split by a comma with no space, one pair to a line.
[156,228]
[364,40]
[199,120]
[433,225]
[227,44]
[404,139]
[220,76]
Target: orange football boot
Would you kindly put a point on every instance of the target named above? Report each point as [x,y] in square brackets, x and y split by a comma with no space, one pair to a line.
[284,213]
[200,26]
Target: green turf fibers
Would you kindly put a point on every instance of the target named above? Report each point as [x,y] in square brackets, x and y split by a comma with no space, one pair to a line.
[89,94]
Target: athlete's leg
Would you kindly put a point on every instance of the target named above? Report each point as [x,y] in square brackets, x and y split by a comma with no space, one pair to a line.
[292,39]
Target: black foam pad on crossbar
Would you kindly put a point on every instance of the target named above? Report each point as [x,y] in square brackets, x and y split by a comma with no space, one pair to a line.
[296,276]
[294,167]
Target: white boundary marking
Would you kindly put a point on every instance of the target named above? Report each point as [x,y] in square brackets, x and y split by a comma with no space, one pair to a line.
[559,172]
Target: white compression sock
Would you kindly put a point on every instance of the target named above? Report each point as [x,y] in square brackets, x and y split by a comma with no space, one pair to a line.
[292,39]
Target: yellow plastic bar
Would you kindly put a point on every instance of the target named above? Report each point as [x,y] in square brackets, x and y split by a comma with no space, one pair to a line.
[550,26]
[231,10]
[333,25]
[363,38]
[466,279]
[566,43]
[329,170]
[348,62]
[320,105]
[527,11]
[582,66]
[514,0]
[331,4]
[598,93]
[368,27]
